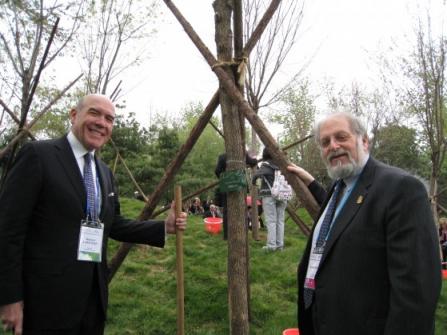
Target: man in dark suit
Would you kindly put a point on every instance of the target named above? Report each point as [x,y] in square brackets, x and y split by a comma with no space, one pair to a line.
[372,266]
[54,227]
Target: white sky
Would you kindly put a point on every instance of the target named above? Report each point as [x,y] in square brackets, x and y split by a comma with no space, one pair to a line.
[345,32]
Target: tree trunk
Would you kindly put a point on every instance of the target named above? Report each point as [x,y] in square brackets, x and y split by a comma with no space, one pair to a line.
[237,229]
[433,191]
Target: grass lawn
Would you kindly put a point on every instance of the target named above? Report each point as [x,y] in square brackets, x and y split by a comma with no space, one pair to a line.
[143,292]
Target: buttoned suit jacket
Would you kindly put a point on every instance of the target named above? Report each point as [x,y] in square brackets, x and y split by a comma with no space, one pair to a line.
[380,270]
[41,207]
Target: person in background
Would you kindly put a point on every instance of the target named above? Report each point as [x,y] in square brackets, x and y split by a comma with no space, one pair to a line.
[206,205]
[248,202]
[213,212]
[58,207]
[443,240]
[274,209]
[371,264]
[196,207]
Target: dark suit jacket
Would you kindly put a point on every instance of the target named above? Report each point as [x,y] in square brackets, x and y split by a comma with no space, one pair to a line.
[41,207]
[380,271]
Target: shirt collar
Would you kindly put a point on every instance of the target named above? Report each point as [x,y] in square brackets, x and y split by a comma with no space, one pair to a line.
[78,149]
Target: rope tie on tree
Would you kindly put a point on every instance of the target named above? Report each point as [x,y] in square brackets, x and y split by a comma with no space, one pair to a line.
[241,67]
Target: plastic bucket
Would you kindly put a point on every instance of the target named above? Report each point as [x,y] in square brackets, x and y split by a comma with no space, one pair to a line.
[213,225]
[444,274]
[291,331]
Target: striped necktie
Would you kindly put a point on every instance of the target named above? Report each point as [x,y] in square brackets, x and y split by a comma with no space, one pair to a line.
[89,183]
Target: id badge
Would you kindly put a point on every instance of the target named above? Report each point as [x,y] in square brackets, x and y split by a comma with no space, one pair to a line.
[314,262]
[90,241]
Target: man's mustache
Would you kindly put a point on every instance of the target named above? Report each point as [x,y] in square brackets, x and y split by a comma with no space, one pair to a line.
[338,152]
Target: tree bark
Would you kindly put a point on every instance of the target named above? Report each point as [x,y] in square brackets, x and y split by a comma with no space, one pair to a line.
[237,228]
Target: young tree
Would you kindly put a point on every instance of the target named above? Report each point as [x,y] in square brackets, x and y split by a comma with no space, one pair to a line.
[296,115]
[198,169]
[427,95]
[270,52]
[115,39]
[30,42]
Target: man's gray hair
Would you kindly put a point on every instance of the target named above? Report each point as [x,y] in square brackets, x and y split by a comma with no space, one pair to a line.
[355,123]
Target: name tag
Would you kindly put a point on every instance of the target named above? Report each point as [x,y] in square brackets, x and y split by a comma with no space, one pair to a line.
[90,241]
[314,262]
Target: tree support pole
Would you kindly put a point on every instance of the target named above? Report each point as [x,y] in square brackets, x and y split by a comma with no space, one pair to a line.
[292,213]
[163,184]
[179,258]
[228,84]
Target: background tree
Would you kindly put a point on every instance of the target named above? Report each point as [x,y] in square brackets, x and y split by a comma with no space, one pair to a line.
[29,43]
[115,39]
[25,31]
[296,114]
[398,145]
[198,169]
[270,52]
[426,95]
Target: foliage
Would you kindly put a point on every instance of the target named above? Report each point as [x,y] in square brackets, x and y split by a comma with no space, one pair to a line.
[143,292]
[297,118]
[198,168]
[25,30]
[398,145]
[148,151]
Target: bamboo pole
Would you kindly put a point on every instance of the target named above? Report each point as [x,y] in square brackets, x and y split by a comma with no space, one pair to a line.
[179,254]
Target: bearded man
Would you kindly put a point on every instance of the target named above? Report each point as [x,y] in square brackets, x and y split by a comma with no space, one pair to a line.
[371,265]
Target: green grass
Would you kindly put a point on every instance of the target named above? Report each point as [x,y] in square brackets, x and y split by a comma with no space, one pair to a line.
[143,292]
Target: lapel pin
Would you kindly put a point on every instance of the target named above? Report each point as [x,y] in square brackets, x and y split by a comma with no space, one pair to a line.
[360,199]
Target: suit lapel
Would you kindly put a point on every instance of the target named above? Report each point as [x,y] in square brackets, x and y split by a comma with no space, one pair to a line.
[65,156]
[102,175]
[352,205]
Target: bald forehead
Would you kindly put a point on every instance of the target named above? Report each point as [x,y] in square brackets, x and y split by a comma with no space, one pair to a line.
[94,99]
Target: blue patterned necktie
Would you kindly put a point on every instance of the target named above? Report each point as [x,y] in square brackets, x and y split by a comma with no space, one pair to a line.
[326,224]
[89,183]
[324,231]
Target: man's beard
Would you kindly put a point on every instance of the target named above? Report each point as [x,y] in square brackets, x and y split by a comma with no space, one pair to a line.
[350,169]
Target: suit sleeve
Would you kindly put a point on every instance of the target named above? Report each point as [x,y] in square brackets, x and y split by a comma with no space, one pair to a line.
[317,191]
[17,201]
[412,259]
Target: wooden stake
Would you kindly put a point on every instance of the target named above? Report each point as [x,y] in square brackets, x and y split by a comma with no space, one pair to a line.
[179,257]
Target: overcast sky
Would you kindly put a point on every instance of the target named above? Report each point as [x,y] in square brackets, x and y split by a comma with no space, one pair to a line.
[345,33]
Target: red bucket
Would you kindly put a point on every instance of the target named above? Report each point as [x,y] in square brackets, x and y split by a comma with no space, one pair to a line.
[291,331]
[213,225]
[444,274]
